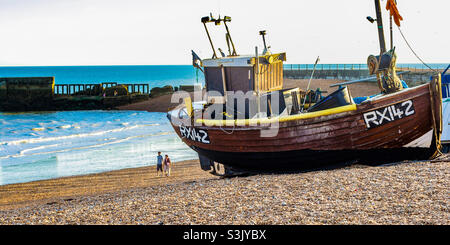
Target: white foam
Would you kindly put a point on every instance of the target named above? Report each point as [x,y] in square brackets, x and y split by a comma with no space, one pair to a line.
[25,152]
[46,139]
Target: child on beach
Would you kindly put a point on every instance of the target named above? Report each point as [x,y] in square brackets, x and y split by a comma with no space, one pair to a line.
[167,166]
[159,162]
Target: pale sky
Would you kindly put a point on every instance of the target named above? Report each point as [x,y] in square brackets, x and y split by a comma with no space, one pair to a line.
[163,32]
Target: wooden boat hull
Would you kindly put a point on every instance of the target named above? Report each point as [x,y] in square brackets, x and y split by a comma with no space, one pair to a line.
[400,126]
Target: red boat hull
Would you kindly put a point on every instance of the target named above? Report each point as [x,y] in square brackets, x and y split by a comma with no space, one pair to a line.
[400,126]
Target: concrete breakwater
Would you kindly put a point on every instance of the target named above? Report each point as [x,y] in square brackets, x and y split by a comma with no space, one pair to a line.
[39,94]
[21,93]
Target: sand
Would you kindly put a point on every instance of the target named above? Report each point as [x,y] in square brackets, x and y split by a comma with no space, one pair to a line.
[402,193]
[159,104]
[53,190]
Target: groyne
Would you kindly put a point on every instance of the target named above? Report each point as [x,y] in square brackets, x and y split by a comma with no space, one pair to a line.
[42,94]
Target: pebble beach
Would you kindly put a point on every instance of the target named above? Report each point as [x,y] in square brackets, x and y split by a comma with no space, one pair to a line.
[413,193]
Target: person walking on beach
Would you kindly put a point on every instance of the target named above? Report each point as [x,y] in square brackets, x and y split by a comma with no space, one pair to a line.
[167,165]
[159,163]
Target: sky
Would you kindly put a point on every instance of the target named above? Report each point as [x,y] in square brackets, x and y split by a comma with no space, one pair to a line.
[163,32]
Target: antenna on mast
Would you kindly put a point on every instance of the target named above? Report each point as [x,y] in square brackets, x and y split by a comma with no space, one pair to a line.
[263,34]
[217,22]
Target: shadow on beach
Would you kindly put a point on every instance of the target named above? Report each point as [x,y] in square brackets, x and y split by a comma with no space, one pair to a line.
[354,164]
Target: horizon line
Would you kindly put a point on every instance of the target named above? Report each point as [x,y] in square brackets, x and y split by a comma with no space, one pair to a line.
[191,64]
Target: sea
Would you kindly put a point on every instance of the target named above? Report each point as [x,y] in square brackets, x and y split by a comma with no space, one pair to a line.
[47,145]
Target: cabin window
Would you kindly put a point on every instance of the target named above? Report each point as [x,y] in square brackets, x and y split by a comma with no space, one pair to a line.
[236,79]
[213,77]
[239,78]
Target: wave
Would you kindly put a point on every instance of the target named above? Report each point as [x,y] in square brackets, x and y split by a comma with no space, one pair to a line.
[37,148]
[23,152]
[46,139]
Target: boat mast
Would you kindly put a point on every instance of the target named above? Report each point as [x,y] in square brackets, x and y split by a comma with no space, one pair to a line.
[392,35]
[204,21]
[391,32]
[380,26]
[225,20]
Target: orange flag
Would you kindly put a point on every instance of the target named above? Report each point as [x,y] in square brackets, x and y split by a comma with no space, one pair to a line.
[392,7]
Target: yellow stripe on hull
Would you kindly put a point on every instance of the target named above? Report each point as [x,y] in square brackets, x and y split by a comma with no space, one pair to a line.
[246,122]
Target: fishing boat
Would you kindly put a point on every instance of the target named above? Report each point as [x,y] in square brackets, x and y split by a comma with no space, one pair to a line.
[247,122]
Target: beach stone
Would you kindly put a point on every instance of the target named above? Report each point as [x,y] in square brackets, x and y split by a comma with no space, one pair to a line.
[403,193]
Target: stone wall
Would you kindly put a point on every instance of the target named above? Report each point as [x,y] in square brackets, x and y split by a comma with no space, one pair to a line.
[26,93]
[411,78]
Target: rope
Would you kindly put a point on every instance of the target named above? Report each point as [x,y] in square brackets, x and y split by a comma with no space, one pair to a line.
[417,56]
[437,131]
[232,131]
[307,88]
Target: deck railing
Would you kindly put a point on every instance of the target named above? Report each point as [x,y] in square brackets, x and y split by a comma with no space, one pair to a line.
[73,89]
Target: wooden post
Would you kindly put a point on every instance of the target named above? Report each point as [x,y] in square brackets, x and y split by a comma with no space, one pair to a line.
[257,80]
